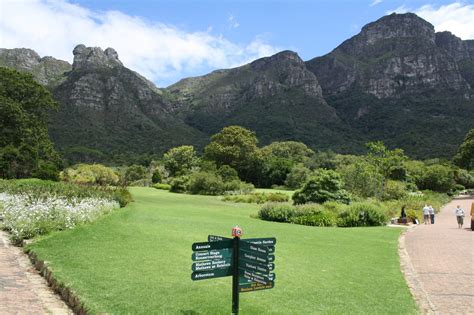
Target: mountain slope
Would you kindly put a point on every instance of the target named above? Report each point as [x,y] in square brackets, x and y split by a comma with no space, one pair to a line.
[400,82]
[275,96]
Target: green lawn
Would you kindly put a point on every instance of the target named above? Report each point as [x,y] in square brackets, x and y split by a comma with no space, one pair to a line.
[138,261]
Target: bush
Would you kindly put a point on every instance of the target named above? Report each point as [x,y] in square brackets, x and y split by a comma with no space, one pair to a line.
[156,177]
[458,187]
[335,207]
[204,183]
[46,171]
[258,198]
[276,212]
[394,190]
[326,185]
[362,214]
[298,175]
[323,218]
[122,196]
[414,215]
[236,186]
[162,186]
[438,178]
[145,182]
[227,173]
[179,184]
[91,174]
[133,173]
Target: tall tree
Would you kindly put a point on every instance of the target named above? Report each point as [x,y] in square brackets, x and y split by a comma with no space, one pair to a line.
[465,156]
[25,147]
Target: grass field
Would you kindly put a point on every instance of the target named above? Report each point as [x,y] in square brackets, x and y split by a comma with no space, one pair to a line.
[138,261]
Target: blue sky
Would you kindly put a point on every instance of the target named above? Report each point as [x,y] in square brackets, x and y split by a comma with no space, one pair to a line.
[169,40]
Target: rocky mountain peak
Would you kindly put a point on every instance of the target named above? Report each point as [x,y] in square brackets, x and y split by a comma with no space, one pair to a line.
[22,59]
[92,57]
[398,26]
[285,57]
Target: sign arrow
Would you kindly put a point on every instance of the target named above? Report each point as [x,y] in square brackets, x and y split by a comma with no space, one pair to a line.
[212,245]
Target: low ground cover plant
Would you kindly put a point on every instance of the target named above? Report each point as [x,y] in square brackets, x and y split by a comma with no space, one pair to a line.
[35,207]
[257,197]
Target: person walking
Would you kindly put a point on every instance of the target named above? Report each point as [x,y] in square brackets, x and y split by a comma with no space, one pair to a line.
[432,214]
[426,214]
[459,216]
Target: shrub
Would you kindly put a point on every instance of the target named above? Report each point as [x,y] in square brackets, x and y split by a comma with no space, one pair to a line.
[326,185]
[156,177]
[298,175]
[394,190]
[133,173]
[362,214]
[179,184]
[204,183]
[144,182]
[276,212]
[227,173]
[91,174]
[46,171]
[122,196]
[162,186]
[458,187]
[236,186]
[438,178]
[258,198]
[323,218]
[414,215]
[335,207]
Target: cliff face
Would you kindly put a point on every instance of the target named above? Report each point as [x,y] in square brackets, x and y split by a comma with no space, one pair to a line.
[47,70]
[397,55]
[275,96]
[108,107]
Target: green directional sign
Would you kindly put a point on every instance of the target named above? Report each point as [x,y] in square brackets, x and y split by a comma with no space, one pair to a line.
[217,273]
[263,259]
[212,255]
[257,277]
[211,265]
[215,238]
[255,286]
[256,267]
[258,249]
[268,241]
[212,245]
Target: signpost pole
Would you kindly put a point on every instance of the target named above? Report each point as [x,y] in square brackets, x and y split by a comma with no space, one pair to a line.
[235,276]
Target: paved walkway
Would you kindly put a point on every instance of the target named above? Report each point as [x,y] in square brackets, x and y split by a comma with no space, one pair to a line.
[442,260]
[22,289]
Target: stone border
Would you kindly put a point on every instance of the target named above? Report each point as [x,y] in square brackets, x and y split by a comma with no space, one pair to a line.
[66,294]
[425,306]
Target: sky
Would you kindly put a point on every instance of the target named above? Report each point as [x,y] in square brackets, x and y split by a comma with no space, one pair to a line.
[169,40]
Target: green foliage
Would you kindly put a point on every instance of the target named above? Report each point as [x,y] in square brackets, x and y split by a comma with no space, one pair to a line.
[323,218]
[156,177]
[179,184]
[258,198]
[46,170]
[237,186]
[362,214]
[361,179]
[394,190]
[465,156]
[24,140]
[132,174]
[162,186]
[276,212]
[296,152]
[464,178]
[180,160]
[297,176]
[275,171]
[237,147]
[122,196]
[227,173]
[94,174]
[204,183]
[413,215]
[324,186]
[439,178]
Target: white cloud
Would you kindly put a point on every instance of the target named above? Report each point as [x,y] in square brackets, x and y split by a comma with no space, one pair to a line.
[158,51]
[375,2]
[233,22]
[457,17]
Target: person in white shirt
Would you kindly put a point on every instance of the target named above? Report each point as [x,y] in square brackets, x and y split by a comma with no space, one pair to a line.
[432,214]
[459,216]
[426,214]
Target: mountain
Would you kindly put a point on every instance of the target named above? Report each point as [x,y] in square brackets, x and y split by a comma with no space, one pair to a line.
[275,96]
[400,82]
[397,81]
[107,109]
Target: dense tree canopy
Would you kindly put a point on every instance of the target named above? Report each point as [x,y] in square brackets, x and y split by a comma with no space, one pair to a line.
[25,147]
[465,156]
[180,160]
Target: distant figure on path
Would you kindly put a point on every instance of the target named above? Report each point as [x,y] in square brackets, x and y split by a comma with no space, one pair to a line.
[459,216]
[432,214]
[403,215]
[426,214]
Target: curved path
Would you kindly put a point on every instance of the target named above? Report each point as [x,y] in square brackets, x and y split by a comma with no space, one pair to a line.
[441,257]
[22,289]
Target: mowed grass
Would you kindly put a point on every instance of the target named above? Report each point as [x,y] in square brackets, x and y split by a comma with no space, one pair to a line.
[138,261]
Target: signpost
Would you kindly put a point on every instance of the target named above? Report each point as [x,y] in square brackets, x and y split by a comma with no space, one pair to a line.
[248,261]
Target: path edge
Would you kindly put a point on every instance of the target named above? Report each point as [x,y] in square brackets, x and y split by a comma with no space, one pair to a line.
[66,294]
[423,302]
